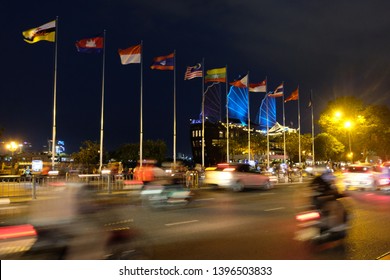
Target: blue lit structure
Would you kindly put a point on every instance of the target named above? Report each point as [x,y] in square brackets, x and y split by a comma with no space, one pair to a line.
[262,115]
[238,104]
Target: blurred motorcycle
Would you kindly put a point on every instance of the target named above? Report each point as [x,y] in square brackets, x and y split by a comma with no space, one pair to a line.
[328,218]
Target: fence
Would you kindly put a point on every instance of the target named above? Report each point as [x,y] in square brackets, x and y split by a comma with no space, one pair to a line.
[21,187]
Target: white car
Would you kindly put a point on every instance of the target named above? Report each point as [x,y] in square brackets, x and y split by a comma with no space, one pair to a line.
[360,177]
[236,177]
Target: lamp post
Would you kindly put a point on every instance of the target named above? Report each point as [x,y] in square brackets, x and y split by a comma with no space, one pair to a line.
[348,126]
[12,147]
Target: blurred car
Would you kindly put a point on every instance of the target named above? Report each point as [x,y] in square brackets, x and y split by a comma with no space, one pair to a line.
[236,177]
[360,176]
[165,195]
[382,177]
[273,177]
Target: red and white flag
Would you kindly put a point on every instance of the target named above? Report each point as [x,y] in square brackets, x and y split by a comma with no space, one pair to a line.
[130,55]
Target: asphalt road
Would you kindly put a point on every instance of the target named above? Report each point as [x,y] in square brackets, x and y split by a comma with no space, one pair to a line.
[254,224]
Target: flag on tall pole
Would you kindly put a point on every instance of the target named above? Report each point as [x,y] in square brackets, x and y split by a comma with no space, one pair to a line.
[241,83]
[133,55]
[279,91]
[90,46]
[294,96]
[258,87]
[130,55]
[48,32]
[166,62]
[192,72]
[217,75]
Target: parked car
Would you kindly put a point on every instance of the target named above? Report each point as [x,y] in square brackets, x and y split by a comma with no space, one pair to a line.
[236,177]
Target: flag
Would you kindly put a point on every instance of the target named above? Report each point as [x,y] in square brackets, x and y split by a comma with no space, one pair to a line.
[130,55]
[310,104]
[193,72]
[216,75]
[242,83]
[258,87]
[44,32]
[90,45]
[294,96]
[279,91]
[163,62]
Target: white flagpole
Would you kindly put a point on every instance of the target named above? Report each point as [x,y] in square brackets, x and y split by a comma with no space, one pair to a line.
[141,131]
[299,127]
[227,117]
[249,122]
[203,118]
[102,106]
[53,145]
[284,130]
[174,108]
[267,97]
[312,124]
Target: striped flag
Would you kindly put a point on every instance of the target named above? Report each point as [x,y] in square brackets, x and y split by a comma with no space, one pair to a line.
[193,72]
[279,91]
[130,55]
[166,62]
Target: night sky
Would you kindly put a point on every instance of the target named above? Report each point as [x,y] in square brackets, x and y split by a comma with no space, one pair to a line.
[333,48]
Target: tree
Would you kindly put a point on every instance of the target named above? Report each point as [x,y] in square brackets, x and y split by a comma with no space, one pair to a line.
[327,147]
[88,155]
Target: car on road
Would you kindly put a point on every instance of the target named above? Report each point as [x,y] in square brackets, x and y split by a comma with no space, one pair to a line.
[236,176]
[366,177]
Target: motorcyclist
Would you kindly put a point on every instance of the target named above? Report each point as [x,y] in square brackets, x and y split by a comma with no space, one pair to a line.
[325,199]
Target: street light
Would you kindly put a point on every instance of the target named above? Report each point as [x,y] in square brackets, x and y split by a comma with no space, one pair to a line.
[12,147]
[348,126]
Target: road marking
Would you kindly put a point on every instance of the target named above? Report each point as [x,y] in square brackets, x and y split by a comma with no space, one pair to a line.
[268,193]
[181,223]
[274,209]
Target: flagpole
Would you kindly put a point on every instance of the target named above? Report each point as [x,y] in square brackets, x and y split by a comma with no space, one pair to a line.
[141,131]
[299,127]
[284,130]
[267,132]
[203,118]
[249,123]
[174,108]
[312,124]
[102,105]
[227,117]
[53,146]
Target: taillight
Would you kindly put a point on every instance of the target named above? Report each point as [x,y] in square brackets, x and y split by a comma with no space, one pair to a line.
[308,216]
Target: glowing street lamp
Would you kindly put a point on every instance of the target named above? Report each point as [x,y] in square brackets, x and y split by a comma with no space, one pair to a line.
[12,147]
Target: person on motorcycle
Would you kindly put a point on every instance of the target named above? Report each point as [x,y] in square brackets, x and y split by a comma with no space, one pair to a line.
[325,199]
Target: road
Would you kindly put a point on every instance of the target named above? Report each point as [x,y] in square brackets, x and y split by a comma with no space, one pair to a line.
[255,224]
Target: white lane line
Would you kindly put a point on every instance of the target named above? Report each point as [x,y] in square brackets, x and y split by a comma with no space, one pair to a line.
[181,223]
[267,193]
[274,209]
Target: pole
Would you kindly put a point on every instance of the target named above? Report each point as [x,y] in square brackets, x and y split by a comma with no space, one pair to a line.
[227,118]
[141,131]
[203,118]
[299,129]
[312,125]
[174,108]
[267,134]
[249,123]
[53,148]
[102,105]
[284,130]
